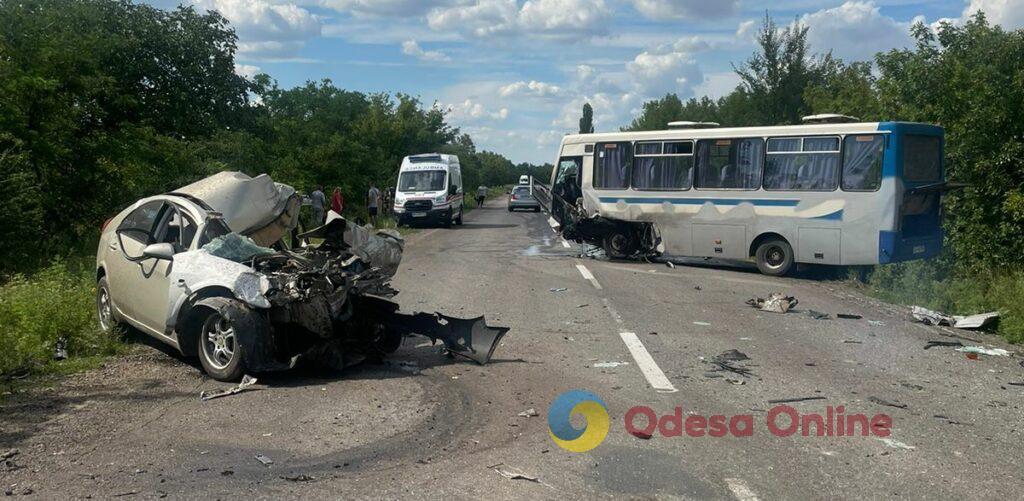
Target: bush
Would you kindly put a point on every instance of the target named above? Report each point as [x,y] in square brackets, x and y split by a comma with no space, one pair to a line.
[37,310]
[928,284]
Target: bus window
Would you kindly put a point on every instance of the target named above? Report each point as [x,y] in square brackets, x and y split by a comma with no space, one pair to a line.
[802,163]
[730,163]
[862,162]
[922,158]
[663,168]
[612,165]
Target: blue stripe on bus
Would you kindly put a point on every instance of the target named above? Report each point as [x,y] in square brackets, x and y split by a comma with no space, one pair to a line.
[835,216]
[701,201]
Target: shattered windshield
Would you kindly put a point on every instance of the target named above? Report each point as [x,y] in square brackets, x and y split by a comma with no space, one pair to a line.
[424,180]
[237,248]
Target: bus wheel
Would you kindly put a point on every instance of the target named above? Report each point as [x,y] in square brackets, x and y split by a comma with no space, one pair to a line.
[620,245]
[774,257]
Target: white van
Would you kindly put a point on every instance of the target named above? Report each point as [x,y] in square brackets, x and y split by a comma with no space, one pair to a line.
[524,179]
[429,190]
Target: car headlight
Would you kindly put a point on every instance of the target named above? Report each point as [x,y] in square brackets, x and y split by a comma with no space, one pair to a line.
[399,200]
[440,199]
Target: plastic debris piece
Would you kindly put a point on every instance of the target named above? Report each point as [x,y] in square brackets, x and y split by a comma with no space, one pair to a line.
[896,444]
[930,317]
[876,323]
[849,316]
[817,315]
[882,401]
[641,435]
[247,381]
[981,350]
[776,302]
[933,344]
[794,400]
[514,475]
[609,365]
[531,412]
[670,264]
[557,289]
[264,459]
[302,477]
[703,324]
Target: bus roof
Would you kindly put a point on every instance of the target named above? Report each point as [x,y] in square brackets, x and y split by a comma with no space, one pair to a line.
[728,132]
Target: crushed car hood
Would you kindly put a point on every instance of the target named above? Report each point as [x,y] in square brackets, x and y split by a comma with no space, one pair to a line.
[253,206]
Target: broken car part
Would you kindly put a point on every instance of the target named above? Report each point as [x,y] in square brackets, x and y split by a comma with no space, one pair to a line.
[931,317]
[247,381]
[776,302]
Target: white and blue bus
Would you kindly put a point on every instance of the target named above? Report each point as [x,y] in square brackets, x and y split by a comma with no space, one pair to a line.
[824,193]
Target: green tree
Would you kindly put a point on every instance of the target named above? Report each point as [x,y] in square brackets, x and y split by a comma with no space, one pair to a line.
[587,120]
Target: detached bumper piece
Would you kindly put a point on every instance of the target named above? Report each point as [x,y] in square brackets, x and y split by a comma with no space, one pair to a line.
[469,338]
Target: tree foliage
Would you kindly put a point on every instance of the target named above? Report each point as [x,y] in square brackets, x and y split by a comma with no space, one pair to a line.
[587,120]
[106,101]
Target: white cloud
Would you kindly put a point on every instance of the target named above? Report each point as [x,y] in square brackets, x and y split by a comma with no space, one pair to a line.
[385,8]
[532,88]
[659,10]
[557,19]
[470,111]
[246,70]
[411,48]
[856,30]
[745,31]
[670,68]
[264,28]
[1007,13]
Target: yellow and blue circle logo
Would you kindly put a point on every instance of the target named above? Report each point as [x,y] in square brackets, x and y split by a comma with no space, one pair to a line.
[591,407]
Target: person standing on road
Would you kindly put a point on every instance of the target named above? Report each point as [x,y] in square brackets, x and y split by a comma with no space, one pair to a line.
[481,195]
[318,202]
[373,203]
[337,200]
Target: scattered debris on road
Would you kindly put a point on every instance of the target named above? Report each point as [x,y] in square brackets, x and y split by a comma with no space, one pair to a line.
[298,478]
[933,344]
[531,412]
[794,400]
[896,444]
[981,350]
[726,362]
[876,323]
[930,317]
[950,421]
[852,341]
[776,302]
[557,289]
[641,435]
[703,324]
[882,401]
[817,315]
[265,460]
[247,382]
[609,365]
[670,264]
[513,474]
[849,316]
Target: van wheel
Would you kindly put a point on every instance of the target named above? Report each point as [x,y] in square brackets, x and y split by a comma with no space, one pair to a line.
[620,245]
[774,257]
[105,306]
[219,351]
[448,218]
[458,220]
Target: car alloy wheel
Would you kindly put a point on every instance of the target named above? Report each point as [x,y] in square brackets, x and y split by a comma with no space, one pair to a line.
[218,341]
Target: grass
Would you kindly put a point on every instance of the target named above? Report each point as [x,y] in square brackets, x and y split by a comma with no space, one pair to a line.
[929,284]
[56,302]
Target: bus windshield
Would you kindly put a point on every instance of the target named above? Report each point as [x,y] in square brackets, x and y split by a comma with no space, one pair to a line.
[423,180]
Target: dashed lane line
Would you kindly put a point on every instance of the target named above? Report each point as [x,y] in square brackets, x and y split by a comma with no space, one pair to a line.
[740,490]
[655,377]
[587,275]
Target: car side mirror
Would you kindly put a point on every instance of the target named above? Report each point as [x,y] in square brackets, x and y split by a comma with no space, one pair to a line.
[163,251]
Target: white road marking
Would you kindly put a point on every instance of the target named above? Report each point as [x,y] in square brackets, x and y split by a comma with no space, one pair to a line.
[565,244]
[647,365]
[588,276]
[740,490]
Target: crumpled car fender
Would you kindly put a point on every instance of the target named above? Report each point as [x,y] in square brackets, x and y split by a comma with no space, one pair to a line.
[197,270]
[253,332]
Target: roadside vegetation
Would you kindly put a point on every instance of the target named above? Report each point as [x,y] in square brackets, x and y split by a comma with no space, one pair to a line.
[967,78]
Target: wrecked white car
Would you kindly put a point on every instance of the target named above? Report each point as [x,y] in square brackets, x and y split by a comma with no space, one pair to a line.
[217,270]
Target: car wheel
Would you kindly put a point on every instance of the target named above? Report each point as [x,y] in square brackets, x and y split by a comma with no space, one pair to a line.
[620,245]
[219,351]
[105,306]
[774,257]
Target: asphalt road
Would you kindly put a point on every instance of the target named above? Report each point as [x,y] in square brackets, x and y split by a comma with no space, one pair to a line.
[423,426]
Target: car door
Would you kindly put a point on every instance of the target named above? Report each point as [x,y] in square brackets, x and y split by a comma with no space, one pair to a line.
[177,228]
[132,235]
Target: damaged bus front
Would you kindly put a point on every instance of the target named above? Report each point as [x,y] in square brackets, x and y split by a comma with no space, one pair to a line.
[252,299]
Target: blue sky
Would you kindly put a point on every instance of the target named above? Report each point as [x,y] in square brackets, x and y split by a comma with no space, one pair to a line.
[515,73]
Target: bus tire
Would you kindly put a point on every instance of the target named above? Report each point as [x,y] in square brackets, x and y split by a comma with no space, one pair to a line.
[620,244]
[774,257]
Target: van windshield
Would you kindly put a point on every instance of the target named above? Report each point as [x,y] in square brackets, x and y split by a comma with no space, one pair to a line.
[423,180]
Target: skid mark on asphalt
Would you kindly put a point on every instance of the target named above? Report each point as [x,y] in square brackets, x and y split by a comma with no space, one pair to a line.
[718,277]
[587,275]
[740,490]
